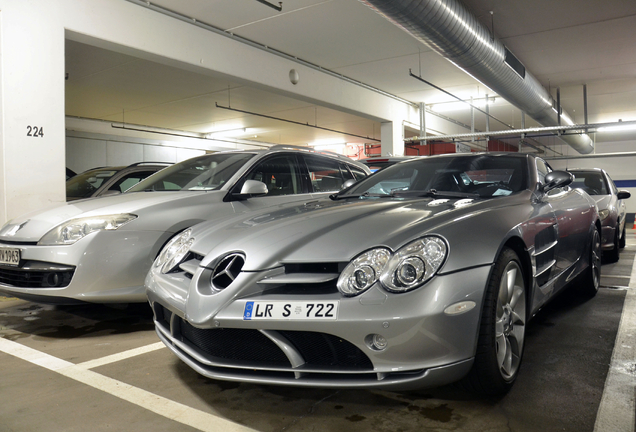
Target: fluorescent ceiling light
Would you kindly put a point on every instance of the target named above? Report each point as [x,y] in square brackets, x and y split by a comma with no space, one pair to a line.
[337,148]
[621,128]
[336,145]
[229,133]
[327,142]
[460,106]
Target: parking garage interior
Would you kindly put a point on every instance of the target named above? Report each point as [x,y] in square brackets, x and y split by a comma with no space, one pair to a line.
[120,82]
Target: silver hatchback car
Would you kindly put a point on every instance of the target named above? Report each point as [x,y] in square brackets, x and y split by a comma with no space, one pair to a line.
[99,250]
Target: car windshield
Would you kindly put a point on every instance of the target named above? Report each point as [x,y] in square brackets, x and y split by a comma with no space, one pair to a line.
[209,172]
[591,182]
[449,176]
[85,184]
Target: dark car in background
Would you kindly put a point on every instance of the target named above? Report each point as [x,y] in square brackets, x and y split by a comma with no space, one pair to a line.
[600,186]
[112,180]
[377,163]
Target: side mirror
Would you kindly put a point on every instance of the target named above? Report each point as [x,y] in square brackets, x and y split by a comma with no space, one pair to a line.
[557,179]
[623,195]
[347,184]
[253,188]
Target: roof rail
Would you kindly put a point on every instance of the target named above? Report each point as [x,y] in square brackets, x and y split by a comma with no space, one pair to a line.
[149,162]
[308,149]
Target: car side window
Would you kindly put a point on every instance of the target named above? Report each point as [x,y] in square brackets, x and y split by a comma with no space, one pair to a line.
[358,174]
[592,182]
[325,174]
[542,170]
[346,174]
[129,180]
[612,185]
[281,175]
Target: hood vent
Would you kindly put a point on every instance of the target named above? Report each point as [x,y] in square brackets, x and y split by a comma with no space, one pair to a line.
[453,32]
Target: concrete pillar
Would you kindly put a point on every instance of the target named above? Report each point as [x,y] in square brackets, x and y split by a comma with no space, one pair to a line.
[32,140]
[392,136]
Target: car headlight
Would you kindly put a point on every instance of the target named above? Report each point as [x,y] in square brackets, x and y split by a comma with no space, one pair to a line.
[603,214]
[363,271]
[174,251]
[414,264]
[75,229]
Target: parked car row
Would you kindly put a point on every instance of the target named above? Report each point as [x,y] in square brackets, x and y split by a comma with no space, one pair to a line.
[112,180]
[598,184]
[299,268]
[99,250]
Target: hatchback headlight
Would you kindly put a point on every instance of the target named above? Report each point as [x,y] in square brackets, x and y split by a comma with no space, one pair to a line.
[75,229]
[363,271]
[603,214]
[174,251]
[414,264]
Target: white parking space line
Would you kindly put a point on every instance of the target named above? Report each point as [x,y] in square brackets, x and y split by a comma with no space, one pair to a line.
[120,356]
[186,415]
[616,412]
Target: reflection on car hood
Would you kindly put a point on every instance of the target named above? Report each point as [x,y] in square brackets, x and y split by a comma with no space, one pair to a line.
[32,226]
[329,231]
[602,201]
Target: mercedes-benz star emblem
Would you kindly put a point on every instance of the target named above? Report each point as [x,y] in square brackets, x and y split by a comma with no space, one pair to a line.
[227,270]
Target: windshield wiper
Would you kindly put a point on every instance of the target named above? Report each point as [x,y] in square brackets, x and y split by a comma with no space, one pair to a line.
[367,194]
[433,193]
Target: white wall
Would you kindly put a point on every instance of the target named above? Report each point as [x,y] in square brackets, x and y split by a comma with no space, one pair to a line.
[93,143]
[94,150]
[32,37]
[617,158]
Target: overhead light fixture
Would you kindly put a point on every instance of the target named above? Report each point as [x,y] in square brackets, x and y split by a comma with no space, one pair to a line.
[331,144]
[327,142]
[621,128]
[336,148]
[230,133]
[459,106]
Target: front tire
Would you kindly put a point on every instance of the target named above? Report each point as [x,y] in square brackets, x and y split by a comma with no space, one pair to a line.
[502,329]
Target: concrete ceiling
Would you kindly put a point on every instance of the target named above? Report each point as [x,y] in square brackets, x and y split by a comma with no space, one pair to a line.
[565,44]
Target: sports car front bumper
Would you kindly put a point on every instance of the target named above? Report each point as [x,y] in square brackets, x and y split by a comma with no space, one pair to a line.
[425,346]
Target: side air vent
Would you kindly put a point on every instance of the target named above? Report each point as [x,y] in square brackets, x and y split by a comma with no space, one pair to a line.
[544,255]
[227,269]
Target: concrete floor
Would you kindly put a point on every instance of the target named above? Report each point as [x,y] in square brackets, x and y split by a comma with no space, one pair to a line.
[98,368]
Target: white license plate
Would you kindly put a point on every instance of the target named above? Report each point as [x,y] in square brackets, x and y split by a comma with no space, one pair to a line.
[10,256]
[293,310]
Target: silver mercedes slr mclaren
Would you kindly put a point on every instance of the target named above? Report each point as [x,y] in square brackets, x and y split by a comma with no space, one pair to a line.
[423,274]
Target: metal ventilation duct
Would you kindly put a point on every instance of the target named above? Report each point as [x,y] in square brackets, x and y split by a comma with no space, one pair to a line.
[451,30]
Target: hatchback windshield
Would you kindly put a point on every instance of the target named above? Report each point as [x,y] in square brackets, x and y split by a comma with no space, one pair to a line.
[202,173]
[83,185]
[470,176]
[591,182]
